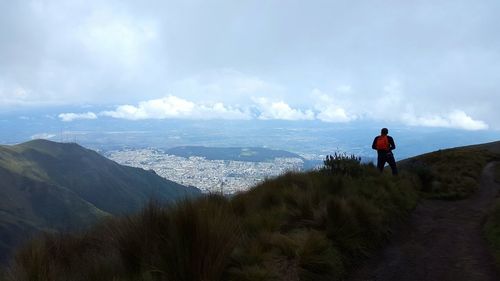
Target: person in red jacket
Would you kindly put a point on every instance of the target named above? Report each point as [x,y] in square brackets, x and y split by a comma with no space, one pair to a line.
[384,144]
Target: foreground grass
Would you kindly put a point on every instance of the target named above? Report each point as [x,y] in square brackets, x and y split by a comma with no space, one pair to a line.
[492,232]
[299,226]
[497,173]
[450,173]
[491,228]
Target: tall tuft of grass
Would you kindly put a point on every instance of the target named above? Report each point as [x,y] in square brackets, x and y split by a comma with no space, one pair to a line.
[33,263]
[134,238]
[63,257]
[199,240]
[318,259]
[190,241]
[343,228]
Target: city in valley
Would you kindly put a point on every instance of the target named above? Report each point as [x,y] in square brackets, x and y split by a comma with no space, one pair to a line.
[226,176]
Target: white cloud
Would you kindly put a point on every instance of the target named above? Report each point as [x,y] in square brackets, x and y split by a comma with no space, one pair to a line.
[387,104]
[68,117]
[167,107]
[175,107]
[115,38]
[221,111]
[460,119]
[345,89]
[43,136]
[457,119]
[13,95]
[228,85]
[328,109]
[103,52]
[281,111]
[334,114]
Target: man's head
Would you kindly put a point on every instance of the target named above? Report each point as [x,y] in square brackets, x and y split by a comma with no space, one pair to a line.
[384,131]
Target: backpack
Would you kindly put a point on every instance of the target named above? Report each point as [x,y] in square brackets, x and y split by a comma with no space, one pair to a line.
[382,143]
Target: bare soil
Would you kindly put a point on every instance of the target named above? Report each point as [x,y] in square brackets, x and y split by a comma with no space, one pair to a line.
[442,240]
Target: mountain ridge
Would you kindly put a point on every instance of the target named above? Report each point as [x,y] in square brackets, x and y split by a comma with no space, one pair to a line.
[53,186]
[234,153]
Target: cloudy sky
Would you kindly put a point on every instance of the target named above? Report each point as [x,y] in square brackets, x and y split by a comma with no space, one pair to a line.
[421,63]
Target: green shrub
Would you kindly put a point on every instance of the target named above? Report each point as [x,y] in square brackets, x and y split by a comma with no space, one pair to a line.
[343,164]
[426,177]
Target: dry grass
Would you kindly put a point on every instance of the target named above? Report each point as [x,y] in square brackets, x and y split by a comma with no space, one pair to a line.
[300,226]
[497,173]
[191,241]
[451,173]
[491,228]
[318,223]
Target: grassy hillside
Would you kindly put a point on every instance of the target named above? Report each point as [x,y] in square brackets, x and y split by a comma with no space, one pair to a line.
[62,186]
[452,173]
[492,225]
[497,173]
[300,226]
[109,186]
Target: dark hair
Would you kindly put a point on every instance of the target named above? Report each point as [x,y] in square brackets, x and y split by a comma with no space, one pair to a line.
[384,131]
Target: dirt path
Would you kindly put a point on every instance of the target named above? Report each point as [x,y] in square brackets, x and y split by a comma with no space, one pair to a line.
[442,241]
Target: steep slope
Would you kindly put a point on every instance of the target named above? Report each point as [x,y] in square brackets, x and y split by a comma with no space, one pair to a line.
[63,186]
[452,173]
[300,226]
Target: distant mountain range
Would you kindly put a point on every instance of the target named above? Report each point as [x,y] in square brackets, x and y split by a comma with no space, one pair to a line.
[62,186]
[250,154]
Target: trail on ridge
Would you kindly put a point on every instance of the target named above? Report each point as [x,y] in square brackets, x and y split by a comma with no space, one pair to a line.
[442,241]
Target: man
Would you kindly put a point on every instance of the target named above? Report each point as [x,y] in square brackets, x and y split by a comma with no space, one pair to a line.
[384,145]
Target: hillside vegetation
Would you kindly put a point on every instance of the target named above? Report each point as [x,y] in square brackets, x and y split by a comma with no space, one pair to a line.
[492,225]
[452,173]
[299,226]
[48,186]
[455,174]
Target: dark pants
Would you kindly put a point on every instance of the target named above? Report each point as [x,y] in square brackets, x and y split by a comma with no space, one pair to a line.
[386,156]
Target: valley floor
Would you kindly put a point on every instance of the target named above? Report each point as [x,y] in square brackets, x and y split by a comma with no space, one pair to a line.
[443,240]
